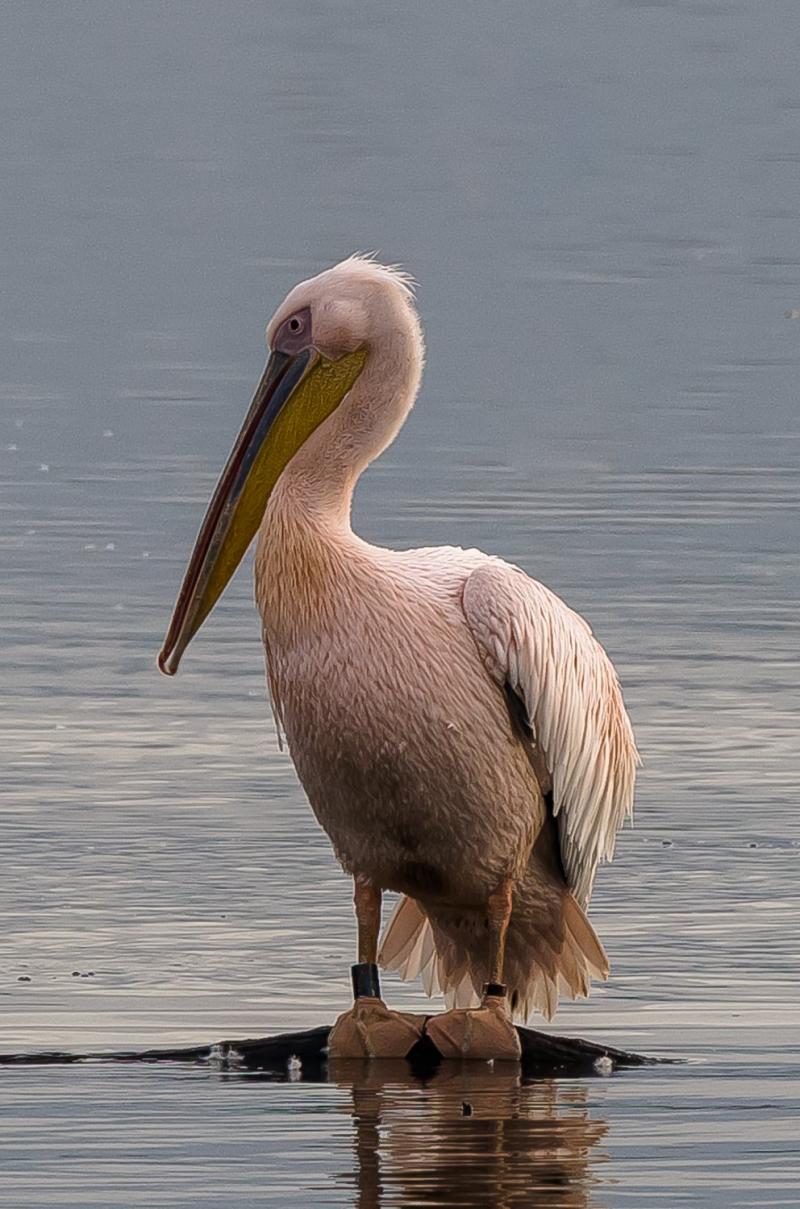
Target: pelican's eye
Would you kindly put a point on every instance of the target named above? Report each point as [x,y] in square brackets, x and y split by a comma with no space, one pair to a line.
[294,334]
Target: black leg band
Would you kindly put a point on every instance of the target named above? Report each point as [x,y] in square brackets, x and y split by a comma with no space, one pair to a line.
[495,989]
[366,984]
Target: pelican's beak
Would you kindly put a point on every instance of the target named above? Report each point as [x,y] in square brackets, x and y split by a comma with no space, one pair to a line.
[296,393]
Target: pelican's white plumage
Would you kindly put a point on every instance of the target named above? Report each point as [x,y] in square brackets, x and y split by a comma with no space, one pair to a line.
[459,732]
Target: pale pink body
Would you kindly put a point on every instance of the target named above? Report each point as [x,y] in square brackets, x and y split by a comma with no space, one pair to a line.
[381,697]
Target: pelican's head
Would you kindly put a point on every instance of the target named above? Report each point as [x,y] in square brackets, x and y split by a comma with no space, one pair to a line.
[345,359]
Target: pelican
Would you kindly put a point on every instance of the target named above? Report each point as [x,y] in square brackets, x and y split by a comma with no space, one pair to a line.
[458,730]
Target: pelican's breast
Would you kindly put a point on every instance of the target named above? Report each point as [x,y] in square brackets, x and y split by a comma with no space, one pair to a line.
[401,740]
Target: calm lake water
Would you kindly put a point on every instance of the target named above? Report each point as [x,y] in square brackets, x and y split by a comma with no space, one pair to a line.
[602,204]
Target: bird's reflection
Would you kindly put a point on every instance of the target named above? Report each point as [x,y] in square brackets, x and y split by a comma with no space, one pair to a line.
[473,1135]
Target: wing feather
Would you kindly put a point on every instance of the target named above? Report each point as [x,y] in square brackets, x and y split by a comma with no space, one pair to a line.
[532,642]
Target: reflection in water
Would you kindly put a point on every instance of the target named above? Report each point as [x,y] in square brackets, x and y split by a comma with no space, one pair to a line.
[469,1136]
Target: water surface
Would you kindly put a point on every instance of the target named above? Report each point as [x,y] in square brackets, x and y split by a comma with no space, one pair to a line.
[601,204]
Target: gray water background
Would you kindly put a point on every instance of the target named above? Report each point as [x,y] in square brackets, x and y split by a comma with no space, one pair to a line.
[601,202]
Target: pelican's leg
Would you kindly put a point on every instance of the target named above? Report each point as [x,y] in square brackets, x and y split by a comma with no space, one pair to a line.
[370,1029]
[367,902]
[487,1031]
[498,915]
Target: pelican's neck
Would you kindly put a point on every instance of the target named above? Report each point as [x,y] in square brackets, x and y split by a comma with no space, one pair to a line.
[306,539]
[305,547]
[317,485]
[315,491]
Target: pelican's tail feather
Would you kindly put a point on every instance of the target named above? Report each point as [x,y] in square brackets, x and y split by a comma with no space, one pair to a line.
[544,964]
[407,945]
[549,953]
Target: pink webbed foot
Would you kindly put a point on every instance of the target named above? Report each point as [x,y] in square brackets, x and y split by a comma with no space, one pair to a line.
[485,1032]
[371,1030]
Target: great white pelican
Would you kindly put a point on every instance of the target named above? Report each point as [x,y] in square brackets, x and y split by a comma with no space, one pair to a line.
[459,732]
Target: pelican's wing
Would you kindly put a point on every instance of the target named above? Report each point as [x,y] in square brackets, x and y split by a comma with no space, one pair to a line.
[532,644]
